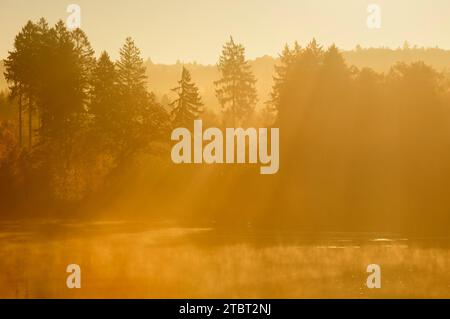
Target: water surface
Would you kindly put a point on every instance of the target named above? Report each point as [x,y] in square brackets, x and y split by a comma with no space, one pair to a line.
[148,260]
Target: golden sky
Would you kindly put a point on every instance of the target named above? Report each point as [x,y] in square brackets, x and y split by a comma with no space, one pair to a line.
[171,30]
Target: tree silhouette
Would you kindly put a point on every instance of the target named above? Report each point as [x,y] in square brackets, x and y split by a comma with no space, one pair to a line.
[287,58]
[236,89]
[187,107]
[21,70]
[104,98]
[139,117]
[50,69]
[131,69]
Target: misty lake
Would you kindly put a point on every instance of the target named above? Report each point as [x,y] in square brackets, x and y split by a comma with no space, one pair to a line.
[145,260]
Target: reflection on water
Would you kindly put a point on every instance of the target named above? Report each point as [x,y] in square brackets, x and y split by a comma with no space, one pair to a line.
[143,260]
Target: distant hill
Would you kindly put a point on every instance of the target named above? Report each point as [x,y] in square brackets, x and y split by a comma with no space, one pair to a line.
[162,78]
[381,59]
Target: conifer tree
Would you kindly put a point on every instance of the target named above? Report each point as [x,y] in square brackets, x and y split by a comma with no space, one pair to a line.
[49,70]
[131,70]
[104,95]
[287,57]
[236,89]
[21,66]
[314,52]
[139,118]
[188,105]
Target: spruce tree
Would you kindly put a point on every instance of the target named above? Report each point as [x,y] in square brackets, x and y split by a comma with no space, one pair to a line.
[140,119]
[287,58]
[236,89]
[188,105]
[103,107]
[131,69]
[132,98]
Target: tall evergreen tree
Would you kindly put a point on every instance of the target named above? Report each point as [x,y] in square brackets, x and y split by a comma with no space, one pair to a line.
[236,89]
[104,95]
[139,118]
[131,84]
[21,69]
[85,60]
[187,107]
[63,94]
[131,70]
[49,70]
[287,58]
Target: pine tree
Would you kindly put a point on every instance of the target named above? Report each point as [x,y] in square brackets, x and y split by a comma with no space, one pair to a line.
[314,52]
[334,64]
[287,58]
[104,94]
[131,69]
[132,99]
[140,119]
[236,89]
[49,72]
[187,107]
[86,60]
[66,61]
[20,68]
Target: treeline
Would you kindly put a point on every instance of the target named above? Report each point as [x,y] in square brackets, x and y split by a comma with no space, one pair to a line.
[382,59]
[82,121]
[78,117]
[360,150]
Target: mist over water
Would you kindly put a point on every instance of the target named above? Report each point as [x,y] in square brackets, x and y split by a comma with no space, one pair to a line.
[148,260]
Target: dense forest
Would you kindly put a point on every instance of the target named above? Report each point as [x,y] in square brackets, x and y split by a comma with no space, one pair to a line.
[362,149]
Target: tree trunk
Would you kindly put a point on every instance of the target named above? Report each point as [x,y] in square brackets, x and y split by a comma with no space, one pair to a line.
[234,104]
[30,123]
[20,119]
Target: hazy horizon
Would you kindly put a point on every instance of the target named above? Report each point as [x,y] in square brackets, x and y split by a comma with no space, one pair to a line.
[173,31]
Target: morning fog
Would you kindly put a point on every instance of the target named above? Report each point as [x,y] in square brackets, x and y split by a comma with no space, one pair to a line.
[236,146]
